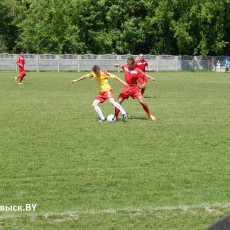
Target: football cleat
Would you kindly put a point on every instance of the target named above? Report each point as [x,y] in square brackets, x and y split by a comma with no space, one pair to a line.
[125,116]
[101,120]
[152,118]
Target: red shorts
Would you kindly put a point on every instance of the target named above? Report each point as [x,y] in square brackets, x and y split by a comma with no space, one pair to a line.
[102,96]
[22,71]
[133,91]
[144,79]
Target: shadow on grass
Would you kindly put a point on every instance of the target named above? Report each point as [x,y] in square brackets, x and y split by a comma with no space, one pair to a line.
[137,118]
[147,97]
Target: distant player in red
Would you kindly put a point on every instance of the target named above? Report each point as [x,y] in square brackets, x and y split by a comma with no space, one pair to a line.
[141,63]
[135,78]
[21,67]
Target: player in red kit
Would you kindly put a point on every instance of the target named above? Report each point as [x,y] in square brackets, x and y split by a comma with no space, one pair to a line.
[21,67]
[141,63]
[135,78]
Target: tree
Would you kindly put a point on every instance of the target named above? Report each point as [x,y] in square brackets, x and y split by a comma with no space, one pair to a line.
[8,31]
[191,27]
[48,28]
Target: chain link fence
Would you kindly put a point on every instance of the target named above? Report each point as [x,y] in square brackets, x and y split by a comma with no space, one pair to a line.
[72,62]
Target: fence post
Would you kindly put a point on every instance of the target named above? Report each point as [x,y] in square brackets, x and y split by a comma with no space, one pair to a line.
[37,57]
[119,60]
[78,63]
[58,60]
[157,59]
[177,61]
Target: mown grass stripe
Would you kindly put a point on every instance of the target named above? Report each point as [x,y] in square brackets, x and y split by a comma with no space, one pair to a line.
[207,207]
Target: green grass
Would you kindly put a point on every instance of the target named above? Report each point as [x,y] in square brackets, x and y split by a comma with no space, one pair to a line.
[82,174]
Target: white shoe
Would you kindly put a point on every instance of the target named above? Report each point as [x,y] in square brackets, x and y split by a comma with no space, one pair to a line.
[19,83]
[100,120]
[15,78]
[152,118]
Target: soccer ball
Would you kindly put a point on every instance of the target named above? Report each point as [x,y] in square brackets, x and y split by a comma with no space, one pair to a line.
[111,118]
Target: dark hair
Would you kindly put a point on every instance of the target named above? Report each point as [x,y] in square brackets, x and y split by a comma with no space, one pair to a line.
[95,68]
[222,224]
[131,59]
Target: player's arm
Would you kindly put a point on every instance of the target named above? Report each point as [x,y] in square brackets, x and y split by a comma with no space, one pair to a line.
[118,65]
[150,77]
[142,85]
[147,65]
[18,63]
[118,79]
[79,79]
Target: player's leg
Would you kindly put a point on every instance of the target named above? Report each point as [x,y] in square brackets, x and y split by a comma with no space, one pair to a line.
[98,110]
[18,77]
[143,90]
[146,108]
[118,107]
[120,100]
[21,78]
[124,94]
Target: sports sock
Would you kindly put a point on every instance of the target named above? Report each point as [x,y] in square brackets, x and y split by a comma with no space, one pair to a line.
[116,112]
[142,91]
[99,112]
[21,78]
[118,106]
[146,108]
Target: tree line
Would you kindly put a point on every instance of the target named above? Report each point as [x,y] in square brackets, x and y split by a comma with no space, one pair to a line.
[176,27]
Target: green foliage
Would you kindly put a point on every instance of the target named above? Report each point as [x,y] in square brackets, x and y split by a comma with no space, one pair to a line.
[190,27]
[8,32]
[48,28]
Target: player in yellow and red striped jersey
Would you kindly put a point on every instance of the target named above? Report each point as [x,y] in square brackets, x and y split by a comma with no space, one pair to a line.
[106,92]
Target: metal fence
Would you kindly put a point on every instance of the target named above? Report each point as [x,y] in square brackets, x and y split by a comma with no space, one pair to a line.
[72,62]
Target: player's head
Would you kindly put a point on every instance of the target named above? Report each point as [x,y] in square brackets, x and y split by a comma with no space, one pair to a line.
[141,56]
[96,69]
[130,62]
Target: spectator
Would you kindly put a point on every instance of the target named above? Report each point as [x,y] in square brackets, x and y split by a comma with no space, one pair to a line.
[226,64]
[209,64]
[218,66]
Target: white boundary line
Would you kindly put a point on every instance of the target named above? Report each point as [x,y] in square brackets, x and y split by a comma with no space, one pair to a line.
[206,206]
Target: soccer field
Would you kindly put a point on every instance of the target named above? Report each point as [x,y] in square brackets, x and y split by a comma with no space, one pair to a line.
[61,169]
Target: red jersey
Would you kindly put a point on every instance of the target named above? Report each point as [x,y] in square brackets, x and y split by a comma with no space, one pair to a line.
[133,76]
[21,62]
[141,64]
